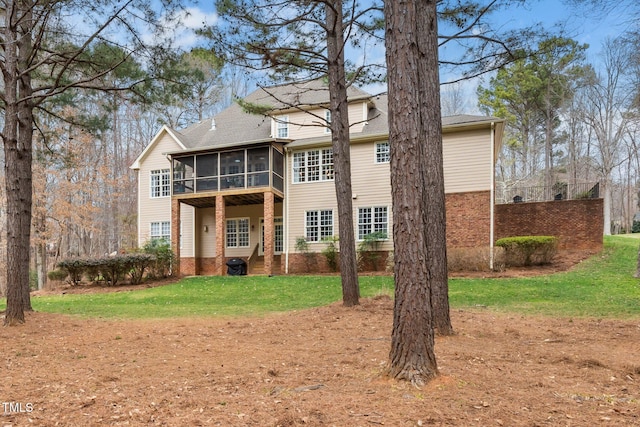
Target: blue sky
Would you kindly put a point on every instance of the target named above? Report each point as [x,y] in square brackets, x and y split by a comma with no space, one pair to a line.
[584,26]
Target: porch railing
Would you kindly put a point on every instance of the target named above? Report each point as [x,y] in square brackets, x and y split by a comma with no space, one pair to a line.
[251,260]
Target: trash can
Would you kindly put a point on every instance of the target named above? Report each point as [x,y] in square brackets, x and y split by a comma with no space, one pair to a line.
[236,267]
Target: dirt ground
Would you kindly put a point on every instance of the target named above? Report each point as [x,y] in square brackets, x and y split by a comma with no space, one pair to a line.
[317,367]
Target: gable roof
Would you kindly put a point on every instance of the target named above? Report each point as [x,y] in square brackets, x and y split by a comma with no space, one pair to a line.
[163,130]
[300,95]
[233,126]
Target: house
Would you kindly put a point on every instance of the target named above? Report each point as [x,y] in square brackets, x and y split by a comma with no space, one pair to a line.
[249,186]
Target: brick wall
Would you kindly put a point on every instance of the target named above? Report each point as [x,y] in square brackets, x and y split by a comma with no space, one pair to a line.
[187,267]
[315,263]
[468,219]
[577,223]
[207,266]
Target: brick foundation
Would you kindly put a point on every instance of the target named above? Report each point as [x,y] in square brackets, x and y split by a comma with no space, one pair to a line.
[468,219]
[188,267]
[579,224]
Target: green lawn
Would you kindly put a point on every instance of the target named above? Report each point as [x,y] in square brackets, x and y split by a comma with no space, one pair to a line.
[602,286]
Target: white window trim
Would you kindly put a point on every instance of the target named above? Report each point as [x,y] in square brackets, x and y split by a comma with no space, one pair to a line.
[375,153]
[160,173]
[320,238]
[358,238]
[166,237]
[327,119]
[226,242]
[322,177]
[282,123]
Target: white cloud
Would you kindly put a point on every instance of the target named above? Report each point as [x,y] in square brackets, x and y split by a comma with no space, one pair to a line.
[182,28]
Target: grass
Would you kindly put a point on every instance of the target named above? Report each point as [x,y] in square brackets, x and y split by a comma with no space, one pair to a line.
[211,296]
[602,286]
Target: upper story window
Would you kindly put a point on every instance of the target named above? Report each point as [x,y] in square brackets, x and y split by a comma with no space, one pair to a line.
[282,127]
[160,183]
[382,152]
[372,220]
[313,165]
[327,119]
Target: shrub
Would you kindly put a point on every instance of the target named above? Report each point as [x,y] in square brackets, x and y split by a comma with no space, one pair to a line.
[368,254]
[636,227]
[75,268]
[136,265]
[164,258]
[474,259]
[331,252]
[528,250]
[92,271]
[302,246]
[113,269]
[57,275]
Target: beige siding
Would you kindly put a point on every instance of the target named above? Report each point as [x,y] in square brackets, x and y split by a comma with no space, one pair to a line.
[371,187]
[206,242]
[305,125]
[307,196]
[159,209]
[467,167]
[467,161]
[206,246]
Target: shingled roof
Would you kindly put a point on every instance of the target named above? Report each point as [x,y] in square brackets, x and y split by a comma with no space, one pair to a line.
[234,126]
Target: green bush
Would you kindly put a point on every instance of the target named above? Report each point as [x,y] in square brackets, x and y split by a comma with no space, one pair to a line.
[528,250]
[92,270]
[302,246]
[110,269]
[330,252]
[636,227]
[136,265]
[58,275]
[164,258]
[113,269]
[368,251]
[75,268]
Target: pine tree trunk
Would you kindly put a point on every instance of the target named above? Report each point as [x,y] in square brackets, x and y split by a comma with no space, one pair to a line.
[417,188]
[17,137]
[341,153]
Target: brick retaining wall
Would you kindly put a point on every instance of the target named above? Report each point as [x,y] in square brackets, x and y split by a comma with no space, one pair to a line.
[578,224]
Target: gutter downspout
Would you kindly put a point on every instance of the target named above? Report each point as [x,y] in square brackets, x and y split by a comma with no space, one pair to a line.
[286,210]
[492,201]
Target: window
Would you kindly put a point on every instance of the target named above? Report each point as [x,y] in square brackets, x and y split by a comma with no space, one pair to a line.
[327,118]
[238,233]
[160,183]
[313,165]
[382,152]
[161,231]
[372,220]
[318,225]
[282,127]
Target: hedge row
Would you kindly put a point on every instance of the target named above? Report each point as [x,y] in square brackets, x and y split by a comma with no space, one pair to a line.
[111,270]
[528,250]
[154,261]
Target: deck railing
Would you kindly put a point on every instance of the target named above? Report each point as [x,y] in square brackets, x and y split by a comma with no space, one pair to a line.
[559,191]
